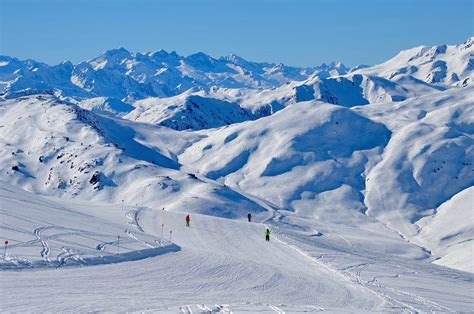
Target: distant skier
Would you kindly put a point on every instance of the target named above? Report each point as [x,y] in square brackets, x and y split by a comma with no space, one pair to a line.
[249,216]
[188,219]
[267,235]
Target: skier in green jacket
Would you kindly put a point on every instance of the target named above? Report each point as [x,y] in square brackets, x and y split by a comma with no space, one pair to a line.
[267,235]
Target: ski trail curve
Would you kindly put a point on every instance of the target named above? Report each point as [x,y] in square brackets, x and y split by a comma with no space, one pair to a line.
[133,216]
[276,309]
[68,254]
[44,244]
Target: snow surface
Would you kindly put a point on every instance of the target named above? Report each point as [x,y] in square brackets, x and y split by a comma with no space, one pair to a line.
[364,176]
[216,265]
[450,231]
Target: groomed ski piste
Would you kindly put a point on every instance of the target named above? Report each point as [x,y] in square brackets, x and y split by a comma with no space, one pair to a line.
[67,256]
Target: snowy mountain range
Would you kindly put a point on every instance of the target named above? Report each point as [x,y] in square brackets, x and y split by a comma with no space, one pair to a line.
[364,175]
[128,76]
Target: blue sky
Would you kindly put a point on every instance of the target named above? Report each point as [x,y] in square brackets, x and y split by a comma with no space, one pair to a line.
[297,32]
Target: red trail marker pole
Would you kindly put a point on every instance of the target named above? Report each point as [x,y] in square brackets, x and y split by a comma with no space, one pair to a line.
[5,251]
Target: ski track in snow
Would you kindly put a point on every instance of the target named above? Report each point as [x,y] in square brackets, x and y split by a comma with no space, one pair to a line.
[133,216]
[64,256]
[248,307]
[373,285]
[44,244]
[276,309]
[431,305]
[329,268]
[69,254]
[132,236]
[102,246]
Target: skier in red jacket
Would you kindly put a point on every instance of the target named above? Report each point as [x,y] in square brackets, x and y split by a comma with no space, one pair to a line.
[188,219]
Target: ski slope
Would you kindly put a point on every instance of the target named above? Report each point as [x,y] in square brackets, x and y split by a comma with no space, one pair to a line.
[46,233]
[217,264]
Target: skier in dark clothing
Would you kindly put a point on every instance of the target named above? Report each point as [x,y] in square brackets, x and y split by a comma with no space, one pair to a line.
[267,235]
[188,219]
[249,216]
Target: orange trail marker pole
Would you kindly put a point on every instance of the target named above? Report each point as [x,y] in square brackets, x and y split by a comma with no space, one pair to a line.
[5,251]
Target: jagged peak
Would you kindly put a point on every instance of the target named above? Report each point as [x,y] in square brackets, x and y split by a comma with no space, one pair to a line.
[231,57]
[160,53]
[199,55]
[117,52]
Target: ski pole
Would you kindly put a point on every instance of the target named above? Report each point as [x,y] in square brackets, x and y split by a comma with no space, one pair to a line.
[162,226]
[118,243]
[170,234]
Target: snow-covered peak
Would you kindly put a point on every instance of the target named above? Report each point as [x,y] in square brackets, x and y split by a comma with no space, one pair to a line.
[468,43]
[158,54]
[233,58]
[118,53]
[444,65]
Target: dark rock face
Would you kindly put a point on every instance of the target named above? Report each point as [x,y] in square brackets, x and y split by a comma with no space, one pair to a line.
[95,179]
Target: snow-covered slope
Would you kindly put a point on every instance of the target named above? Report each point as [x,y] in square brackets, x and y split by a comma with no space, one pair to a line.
[297,150]
[348,91]
[51,233]
[450,231]
[55,148]
[427,160]
[106,105]
[188,111]
[224,106]
[217,264]
[357,89]
[441,65]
